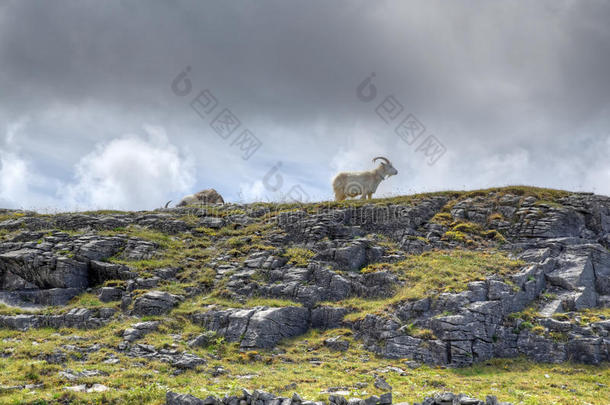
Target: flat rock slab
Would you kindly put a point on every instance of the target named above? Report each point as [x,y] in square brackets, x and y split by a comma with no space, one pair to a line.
[155,303]
[259,327]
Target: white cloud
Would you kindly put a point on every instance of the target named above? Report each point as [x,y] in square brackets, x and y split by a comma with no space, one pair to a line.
[14,176]
[132,172]
[255,191]
[597,177]
[20,185]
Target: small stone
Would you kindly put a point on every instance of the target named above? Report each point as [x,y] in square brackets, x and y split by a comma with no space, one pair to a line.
[337,399]
[155,303]
[385,399]
[172,398]
[382,384]
[108,294]
[372,400]
[203,340]
[337,344]
[290,387]
[98,388]
[491,400]
[187,361]
[77,388]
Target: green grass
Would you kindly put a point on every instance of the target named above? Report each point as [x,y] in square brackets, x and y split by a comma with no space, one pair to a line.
[187,251]
[199,303]
[11,215]
[145,381]
[164,240]
[433,273]
[553,204]
[9,310]
[455,236]
[456,195]
[299,257]
[467,227]
[442,218]
[496,216]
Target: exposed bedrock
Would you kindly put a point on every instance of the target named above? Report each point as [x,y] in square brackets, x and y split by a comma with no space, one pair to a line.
[264,327]
[50,270]
[264,398]
[563,243]
[479,324]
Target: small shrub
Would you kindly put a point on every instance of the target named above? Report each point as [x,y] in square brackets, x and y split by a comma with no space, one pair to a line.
[32,374]
[420,332]
[442,218]
[559,336]
[115,283]
[299,256]
[561,317]
[495,235]
[539,330]
[454,236]
[525,325]
[235,242]
[467,227]
[249,356]
[496,216]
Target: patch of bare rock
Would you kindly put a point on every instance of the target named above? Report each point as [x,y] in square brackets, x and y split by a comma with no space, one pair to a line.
[258,397]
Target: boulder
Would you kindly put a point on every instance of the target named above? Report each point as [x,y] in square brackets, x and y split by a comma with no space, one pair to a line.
[268,326]
[259,327]
[187,361]
[337,344]
[172,398]
[212,222]
[203,340]
[104,271]
[44,270]
[108,294]
[51,296]
[155,303]
[382,384]
[138,330]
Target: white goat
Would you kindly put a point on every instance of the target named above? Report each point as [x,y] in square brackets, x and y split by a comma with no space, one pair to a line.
[362,183]
[204,197]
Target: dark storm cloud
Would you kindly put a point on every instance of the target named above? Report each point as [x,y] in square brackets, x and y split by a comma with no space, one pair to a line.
[494,80]
[300,61]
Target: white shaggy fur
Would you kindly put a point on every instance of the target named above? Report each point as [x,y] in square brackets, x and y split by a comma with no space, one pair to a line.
[352,184]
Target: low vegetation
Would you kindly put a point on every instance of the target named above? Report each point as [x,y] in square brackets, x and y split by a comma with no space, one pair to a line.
[434,272]
[303,364]
[299,256]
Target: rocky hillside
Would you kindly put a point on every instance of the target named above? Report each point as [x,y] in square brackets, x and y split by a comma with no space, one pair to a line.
[287,297]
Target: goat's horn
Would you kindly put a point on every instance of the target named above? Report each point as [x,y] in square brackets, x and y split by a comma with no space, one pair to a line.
[167,203]
[381,157]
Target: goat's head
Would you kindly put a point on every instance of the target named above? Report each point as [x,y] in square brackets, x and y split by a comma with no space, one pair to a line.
[387,168]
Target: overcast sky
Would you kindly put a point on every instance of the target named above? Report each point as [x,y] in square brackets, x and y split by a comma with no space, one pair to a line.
[465,94]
